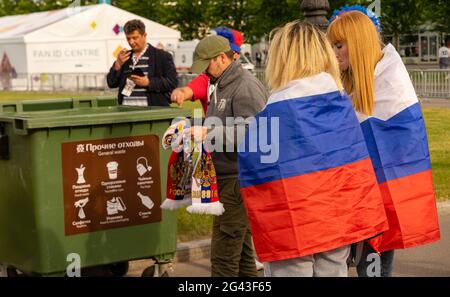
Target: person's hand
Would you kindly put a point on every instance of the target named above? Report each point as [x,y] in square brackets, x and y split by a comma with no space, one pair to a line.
[123,56]
[177,96]
[141,81]
[198,133]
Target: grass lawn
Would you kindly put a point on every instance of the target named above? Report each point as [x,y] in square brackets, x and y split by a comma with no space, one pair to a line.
[192,227]
[438,130]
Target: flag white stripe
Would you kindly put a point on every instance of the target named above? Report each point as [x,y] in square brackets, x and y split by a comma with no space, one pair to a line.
[321,83]
[394,91]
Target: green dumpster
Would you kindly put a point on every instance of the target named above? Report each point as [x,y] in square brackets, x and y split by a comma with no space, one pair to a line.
[82,182]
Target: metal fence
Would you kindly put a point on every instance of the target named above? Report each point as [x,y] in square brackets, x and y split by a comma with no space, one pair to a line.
[184,78]
[431,83]
[69,82]
[66,82]
[428,83]
[261,75]
[55,82]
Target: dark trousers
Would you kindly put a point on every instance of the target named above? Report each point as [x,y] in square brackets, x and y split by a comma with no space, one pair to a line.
[232,251]
[366,264]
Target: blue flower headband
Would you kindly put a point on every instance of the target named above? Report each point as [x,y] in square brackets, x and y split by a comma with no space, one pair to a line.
[373,17]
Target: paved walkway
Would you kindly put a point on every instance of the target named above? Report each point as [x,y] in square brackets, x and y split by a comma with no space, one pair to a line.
[429,260]
[435,103]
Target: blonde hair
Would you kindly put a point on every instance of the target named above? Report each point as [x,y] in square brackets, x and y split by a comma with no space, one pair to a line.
[299,50]
[364,51]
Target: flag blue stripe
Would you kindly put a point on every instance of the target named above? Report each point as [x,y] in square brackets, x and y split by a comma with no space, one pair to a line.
[398,147]
[315,133]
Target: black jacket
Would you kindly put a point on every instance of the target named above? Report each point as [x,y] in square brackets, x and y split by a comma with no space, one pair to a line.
[162,74]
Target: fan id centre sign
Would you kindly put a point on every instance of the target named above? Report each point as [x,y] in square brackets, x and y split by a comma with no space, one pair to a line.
[68,57]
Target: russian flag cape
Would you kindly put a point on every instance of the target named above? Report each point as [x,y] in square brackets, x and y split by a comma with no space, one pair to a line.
[321,192]
[397,142]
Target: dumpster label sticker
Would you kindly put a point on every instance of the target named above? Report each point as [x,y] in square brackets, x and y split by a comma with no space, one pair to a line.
[80,172]
[115,205]
[111,183]
[80,204]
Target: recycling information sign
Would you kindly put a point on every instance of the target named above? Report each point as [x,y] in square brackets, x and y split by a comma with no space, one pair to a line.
[111,183]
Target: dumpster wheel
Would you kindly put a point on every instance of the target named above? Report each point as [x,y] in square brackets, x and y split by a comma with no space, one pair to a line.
[119,269]
[12,271]
[157,270]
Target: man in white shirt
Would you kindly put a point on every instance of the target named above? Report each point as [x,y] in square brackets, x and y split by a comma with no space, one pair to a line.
[444,55]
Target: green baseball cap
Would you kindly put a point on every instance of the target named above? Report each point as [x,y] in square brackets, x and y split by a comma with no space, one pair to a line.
[208,48]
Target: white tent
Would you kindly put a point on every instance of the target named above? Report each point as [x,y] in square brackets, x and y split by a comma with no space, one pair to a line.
[83,39]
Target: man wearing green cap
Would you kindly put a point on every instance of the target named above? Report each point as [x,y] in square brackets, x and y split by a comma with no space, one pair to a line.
[237,95]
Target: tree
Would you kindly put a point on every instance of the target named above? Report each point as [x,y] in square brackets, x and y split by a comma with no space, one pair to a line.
[13,7]
[234,13]
[6,7]
[255,18]
[438,12]
[401,17]
[269,14]
[189,17]
[45,5]
[336,4]
[148,9]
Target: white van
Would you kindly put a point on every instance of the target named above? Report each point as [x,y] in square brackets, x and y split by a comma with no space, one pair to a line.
[184,56]
[246,64]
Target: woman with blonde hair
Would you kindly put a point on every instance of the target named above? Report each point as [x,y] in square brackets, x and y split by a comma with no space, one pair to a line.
[394,130]
[316,193]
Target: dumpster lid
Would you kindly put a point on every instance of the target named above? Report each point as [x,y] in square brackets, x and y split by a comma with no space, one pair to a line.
[60,113]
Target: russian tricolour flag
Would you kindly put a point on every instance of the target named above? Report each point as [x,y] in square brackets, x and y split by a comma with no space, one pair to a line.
[321,192]
[397,142]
